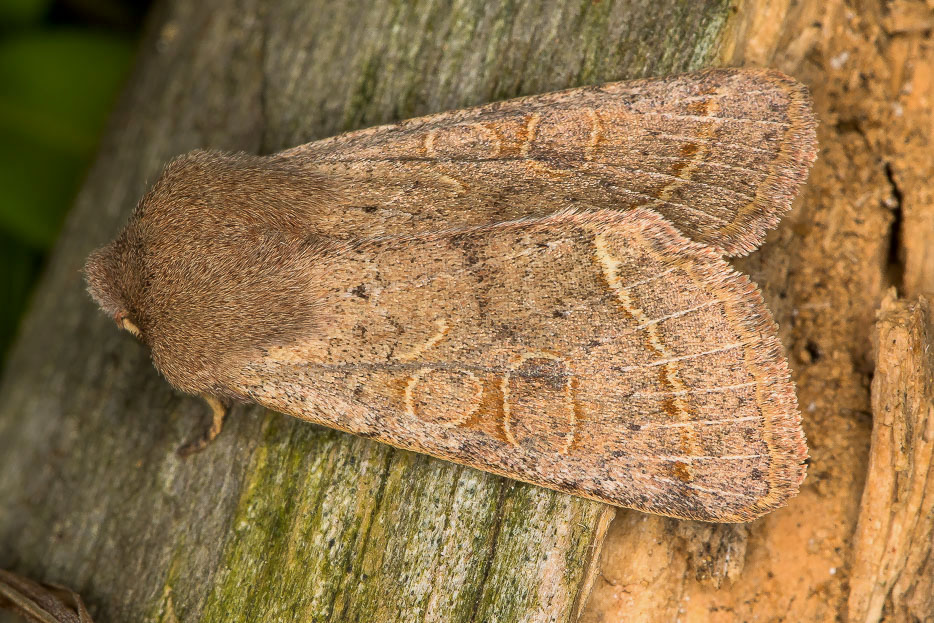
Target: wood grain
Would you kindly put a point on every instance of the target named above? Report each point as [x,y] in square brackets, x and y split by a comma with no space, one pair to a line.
[893,540]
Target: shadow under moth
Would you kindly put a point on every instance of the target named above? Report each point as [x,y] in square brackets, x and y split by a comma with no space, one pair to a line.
[536,287]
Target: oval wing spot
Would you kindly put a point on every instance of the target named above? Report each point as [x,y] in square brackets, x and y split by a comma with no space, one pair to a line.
[445,397]
[539,411]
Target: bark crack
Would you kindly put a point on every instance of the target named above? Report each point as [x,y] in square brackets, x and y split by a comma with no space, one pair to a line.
[896,253]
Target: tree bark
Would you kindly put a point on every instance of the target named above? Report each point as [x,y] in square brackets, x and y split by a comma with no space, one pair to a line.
[892,545]
[281,520]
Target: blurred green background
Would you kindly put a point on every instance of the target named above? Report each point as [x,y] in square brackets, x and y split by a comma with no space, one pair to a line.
[62,64]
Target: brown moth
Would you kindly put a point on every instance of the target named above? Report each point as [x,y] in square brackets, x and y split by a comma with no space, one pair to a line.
[534,288]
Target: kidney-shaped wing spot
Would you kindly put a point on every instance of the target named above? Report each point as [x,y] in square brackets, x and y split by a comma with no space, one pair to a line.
[539,410]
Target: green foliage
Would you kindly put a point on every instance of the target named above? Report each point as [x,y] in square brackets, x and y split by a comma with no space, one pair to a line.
[57,86]
[15,12]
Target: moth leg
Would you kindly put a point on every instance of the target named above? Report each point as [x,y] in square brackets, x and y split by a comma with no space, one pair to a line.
[219,411]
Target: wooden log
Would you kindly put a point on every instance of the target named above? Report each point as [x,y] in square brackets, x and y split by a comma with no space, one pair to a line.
[280,520]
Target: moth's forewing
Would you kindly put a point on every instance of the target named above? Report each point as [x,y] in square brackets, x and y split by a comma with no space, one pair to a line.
[601,354]
[720,154]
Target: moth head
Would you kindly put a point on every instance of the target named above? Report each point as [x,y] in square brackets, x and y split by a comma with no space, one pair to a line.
[214,264]
[108,276]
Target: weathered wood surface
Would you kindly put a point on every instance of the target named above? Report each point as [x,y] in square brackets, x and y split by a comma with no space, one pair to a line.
[892,547]
[280,520]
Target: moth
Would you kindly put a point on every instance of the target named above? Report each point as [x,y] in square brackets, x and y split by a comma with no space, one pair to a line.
[535,287]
